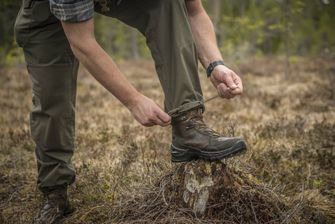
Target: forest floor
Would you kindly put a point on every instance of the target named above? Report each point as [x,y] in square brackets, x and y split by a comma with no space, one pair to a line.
[287,121]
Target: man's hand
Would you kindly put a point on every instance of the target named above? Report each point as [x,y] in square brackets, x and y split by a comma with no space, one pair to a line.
[227,83]
[148,113]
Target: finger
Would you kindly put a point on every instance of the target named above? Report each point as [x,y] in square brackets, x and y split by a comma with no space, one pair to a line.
[161,123]
[144,122]
[148,124]
[238,82]
[224,91]
[230,81]
[149,121]
[164,117]
[157,121]
[229,96]
[236,91]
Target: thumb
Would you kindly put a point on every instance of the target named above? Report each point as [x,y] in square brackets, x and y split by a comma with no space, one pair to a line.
[230,82]
[237,91]
[163,116]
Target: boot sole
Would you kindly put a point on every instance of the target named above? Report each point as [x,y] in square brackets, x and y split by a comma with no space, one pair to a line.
[186,155]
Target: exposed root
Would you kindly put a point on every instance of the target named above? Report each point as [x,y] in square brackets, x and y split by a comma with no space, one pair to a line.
[239,200]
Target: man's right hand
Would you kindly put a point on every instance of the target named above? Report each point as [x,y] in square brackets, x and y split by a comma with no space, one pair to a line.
[148,113]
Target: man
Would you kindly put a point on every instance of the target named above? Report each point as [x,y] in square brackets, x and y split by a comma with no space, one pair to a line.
[55,34]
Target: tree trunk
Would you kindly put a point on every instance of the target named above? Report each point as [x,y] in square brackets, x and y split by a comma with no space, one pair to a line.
[287,37]
[200,182]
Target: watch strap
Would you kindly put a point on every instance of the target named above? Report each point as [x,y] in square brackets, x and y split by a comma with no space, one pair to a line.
[212,66]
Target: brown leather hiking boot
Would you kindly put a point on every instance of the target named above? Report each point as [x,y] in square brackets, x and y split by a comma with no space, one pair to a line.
[55,206]
[192,139]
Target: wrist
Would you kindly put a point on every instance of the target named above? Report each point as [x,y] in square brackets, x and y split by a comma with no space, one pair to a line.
[212,66]
[132,100]
[218,69]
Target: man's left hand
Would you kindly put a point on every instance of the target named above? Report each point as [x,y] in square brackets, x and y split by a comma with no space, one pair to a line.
[227,82]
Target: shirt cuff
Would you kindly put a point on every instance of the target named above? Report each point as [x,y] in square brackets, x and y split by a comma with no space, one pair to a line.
[72,11]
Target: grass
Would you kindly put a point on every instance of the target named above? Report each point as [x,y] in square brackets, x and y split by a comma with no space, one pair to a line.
[287,121]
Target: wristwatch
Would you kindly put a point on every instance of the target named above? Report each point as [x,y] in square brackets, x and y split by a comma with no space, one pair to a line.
[211,67]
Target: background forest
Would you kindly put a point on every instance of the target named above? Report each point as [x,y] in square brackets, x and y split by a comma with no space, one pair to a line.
[284,51]
[244,28]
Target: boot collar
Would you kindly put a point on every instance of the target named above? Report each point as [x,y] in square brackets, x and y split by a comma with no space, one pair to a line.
[187,115]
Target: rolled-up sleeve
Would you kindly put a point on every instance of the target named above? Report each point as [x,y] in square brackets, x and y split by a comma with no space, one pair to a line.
[72,10]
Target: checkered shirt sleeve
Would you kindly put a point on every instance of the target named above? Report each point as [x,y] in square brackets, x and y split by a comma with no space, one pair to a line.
[72,10]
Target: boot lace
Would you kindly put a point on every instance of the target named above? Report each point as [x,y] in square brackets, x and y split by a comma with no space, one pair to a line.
[198,123]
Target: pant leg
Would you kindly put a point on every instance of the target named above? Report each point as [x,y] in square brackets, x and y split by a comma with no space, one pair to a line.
[167,30]
[53,71]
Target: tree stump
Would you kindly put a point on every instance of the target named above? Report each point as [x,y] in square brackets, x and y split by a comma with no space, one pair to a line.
[199,182]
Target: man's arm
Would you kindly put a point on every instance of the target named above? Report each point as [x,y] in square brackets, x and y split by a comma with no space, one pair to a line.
[101,66]
[227,83]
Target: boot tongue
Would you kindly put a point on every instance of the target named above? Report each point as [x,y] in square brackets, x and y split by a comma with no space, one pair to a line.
[197,119]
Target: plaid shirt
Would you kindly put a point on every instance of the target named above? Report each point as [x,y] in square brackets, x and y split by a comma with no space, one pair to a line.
[72,10]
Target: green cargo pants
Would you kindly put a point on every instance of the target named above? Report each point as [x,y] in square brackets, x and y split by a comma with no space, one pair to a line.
[53,71]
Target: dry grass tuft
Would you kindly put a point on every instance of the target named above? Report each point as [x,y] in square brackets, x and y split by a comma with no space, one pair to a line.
[124,173]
